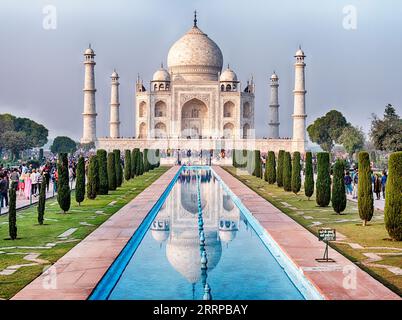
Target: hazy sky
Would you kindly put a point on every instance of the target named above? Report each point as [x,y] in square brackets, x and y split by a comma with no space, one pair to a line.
[357,71]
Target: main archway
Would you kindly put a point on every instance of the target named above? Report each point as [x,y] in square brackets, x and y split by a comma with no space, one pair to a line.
[194,119]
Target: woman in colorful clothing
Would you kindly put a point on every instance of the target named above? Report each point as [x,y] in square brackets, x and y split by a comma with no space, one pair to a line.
[21,185]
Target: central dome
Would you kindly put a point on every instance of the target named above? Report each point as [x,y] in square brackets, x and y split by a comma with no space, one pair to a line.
[195,57]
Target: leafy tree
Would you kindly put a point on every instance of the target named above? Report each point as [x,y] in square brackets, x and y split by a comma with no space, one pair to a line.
[338,187]
[42,202]
[37,133]
[352,139]
[393,200]
[103,172]
[326,130]
[63,145]
[365,201]
[309,176]
[15,142]
[270,168]
[118,168]
[287,172]
[127,165]
[111,171]
[386,133]
[279,170]
[63,187]
[93,171]
[80,182]
[12,212]
[323,184]
[296,178]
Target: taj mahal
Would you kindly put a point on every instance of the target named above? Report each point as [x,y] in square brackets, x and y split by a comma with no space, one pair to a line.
[195,103]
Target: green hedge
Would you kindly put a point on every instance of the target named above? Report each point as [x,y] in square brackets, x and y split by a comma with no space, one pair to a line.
[270,168]
[63,186]
[309,176]
[127,165]
[80,181]
[279,169]
[92,177]
[296,178]
[111,171]
[287,172]
[365,199]
[102,174]
[338,187]
[323,184]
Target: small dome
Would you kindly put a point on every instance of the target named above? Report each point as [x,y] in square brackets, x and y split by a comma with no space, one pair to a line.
[89,51]
[115,74]
[299,53]
[228,75]
[274,76]
[160,235]
[161,75]
[227,236]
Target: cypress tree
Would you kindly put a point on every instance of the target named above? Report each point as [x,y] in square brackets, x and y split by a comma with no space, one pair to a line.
[80,184]
[102,173]
[323,184]
[158,158]
[97,179]
[270,168]
[127,165]
[257,164]
[118,169]
[133,162]
[234,158]
[141,163]
[338,187]
[63,186]
[287,172]
[393,199]
[92,176]
[309,176]
[42,202]
[296,178]
[365,200]
[279,169]
[111,171]
[146,161]
[12,212]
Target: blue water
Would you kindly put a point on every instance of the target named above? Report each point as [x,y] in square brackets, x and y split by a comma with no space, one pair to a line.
[167,263]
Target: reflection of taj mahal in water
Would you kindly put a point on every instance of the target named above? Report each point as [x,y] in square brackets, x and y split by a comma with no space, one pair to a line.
[193,103]
[176,224]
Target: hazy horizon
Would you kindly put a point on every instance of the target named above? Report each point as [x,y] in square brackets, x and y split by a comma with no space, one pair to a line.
[354,71]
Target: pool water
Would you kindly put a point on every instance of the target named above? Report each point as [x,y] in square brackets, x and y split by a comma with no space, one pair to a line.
[230,261]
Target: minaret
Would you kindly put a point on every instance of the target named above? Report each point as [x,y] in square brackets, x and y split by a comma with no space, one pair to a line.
[299,112]
[89,114]
[114,107]
[273,129]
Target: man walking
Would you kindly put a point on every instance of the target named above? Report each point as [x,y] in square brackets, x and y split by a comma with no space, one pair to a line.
[383,182]
[3,191]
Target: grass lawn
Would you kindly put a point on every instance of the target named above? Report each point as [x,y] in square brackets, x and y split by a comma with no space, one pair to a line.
[373,238]
[43,240]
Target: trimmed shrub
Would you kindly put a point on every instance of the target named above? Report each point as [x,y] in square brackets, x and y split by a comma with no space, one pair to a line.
[92,176]
[287,172]
[257,171]
[309,176]
[270,168]
[127,165]
[234,164]
[338,187]
[146,161]
[118,168]
[365,200]
[393,199]
[103,176]
[323,184]
[136,162]
[296,178]
[42,202]
[80,182]
[141,163]
[133,162]
[111,171]
[12,212]
[63,186]
[158,158]
[279,169]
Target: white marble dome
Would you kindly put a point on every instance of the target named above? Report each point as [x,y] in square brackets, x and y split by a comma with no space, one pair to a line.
[89,51]
[161,75]
[299,53]
[228,76]
[195,57]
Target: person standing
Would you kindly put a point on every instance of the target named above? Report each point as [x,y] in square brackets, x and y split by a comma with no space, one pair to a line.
[377,186]
[39,179]
[34,182]
[355,183]
[348,183]
[383,182]
[14,177]
[3,191]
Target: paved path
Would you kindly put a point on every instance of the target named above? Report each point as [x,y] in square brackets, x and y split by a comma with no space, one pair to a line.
[378,204]
[78,272]
[333,280]
[22,202]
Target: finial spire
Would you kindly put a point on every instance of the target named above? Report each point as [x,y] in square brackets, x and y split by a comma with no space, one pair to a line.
[89,46]
[195,18]
[162,65]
